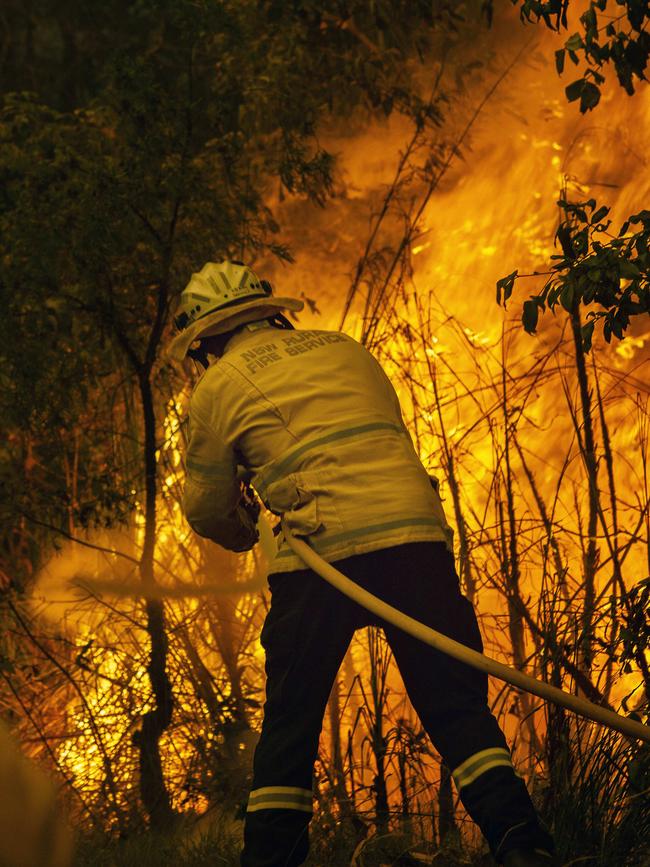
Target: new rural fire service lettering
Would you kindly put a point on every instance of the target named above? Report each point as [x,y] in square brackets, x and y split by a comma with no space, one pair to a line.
[293,344]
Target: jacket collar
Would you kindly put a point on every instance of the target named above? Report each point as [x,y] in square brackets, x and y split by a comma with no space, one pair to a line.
[249,331]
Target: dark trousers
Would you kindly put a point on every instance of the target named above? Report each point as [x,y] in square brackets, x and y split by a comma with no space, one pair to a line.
[306,634]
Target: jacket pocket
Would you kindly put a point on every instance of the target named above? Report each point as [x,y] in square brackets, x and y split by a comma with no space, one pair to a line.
[293,498]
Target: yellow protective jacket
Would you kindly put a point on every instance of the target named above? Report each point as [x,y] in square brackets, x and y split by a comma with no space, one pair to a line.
[314,418]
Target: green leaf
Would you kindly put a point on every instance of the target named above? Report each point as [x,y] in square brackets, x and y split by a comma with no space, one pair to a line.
[586,91]
[574,90]
[590,97]
[530,315]
[587,332]
[628,270]
[642,217]
[636,10]
[553,296]
[506,285]
[559,60]
[598,216]
[574,42]
[607,330]
[590,20]
[567,296]
[563,235]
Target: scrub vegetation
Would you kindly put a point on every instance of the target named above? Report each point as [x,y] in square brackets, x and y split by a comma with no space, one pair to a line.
[137,141]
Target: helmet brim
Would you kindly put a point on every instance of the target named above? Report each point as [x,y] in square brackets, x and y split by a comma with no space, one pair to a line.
[221,321]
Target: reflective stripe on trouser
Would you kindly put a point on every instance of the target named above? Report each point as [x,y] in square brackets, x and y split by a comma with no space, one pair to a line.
[496,764]
[306,635]
[479,763]
[280,798]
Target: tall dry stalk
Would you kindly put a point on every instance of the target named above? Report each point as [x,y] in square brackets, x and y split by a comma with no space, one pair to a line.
[587,445]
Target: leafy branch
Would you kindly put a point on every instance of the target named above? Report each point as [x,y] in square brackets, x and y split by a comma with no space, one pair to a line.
[613,274]
[621,40]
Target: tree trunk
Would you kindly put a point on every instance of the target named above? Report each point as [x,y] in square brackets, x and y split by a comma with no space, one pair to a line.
[153,791]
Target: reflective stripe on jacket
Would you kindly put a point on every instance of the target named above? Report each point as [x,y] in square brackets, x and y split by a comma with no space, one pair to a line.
[316,420]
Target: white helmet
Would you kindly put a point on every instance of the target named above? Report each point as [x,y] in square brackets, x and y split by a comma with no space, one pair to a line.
[220,297]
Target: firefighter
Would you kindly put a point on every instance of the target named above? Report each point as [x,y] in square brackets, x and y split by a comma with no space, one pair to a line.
[312,420]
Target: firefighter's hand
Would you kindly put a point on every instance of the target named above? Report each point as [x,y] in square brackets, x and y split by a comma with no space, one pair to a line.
[250,503]
[247,535]
[245,544]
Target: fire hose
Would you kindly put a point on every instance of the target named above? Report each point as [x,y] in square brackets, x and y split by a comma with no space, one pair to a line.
[459,651]
[609,718]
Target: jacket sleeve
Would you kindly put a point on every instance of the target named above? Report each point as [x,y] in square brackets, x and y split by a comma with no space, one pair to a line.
[212,496]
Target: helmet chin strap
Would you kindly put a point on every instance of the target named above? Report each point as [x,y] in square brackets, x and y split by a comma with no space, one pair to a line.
[200,355]
[279,320]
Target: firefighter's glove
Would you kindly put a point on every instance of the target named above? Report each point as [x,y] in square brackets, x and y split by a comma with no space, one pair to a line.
[248,534]
[250,503]
[248,511]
